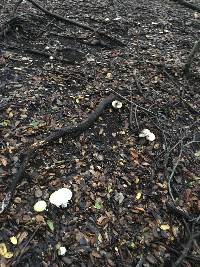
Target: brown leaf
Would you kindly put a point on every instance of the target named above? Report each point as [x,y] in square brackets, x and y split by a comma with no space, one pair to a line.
[138,209]
[96,254]
[22,236]
[4,162]
[39,218]
[102,221]
[134,156]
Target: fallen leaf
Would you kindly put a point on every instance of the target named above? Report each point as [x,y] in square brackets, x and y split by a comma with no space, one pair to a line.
[132,245]
[98,204]
[22,236]
[119,197]
[138,195]
[51,225]
[164,227]
[109,75]
[96,254]
[138,209]
[4,252]
[10,114]
[13,240]
[134,156]
[39,218]
[4,162]
[101,221]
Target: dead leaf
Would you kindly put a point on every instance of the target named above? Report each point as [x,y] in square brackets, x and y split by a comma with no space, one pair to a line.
[96,254]
[4,162]
[138,195]
[4,252]
[164,227]
[13,240]
[39,218]
[22,236]
[102,221]
[138,209]
[134,156]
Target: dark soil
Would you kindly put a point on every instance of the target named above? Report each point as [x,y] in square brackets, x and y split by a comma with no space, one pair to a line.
[122,211]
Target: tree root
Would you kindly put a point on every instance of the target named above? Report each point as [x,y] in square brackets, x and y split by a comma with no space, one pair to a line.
[187,4]
[73,131]
[73,22]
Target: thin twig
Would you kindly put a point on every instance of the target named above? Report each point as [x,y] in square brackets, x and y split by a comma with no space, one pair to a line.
[172,174]
[131,102]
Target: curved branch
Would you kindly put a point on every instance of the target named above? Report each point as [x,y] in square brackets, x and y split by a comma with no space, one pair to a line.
[65,131]
[75,23]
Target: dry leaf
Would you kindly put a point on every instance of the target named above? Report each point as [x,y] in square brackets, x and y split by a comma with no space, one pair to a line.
[22,236]
[101,221]
[134,156]
[4,162]
[4,252]
[96,254]
[13,240]
[138,196]
[39,218]
[164,227]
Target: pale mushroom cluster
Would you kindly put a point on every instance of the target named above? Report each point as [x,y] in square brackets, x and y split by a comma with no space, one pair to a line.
[59,198]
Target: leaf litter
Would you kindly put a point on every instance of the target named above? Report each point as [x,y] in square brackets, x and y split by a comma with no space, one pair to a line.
[118,215]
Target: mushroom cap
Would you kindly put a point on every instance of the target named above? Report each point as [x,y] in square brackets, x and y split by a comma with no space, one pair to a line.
[61,197]
[117,104]
[62,251]
[144,133]
[151,137]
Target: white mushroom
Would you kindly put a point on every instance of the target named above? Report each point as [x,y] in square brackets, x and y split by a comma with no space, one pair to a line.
[61,197]
[62,251]
[151,137]
[144,133]
[117,104]
[148,135]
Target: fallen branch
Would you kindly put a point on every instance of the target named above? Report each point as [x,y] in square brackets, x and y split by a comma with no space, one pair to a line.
[65,131]
[187,4]
[75,23]
[191,56]
[170,179]
[178,212]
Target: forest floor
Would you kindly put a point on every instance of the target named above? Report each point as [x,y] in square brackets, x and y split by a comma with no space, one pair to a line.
[135,202]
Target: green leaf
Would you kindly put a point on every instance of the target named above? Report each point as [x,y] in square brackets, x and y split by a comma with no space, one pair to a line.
[35,123]
[5,123]
[98,204]
[132,245]
[51,225]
